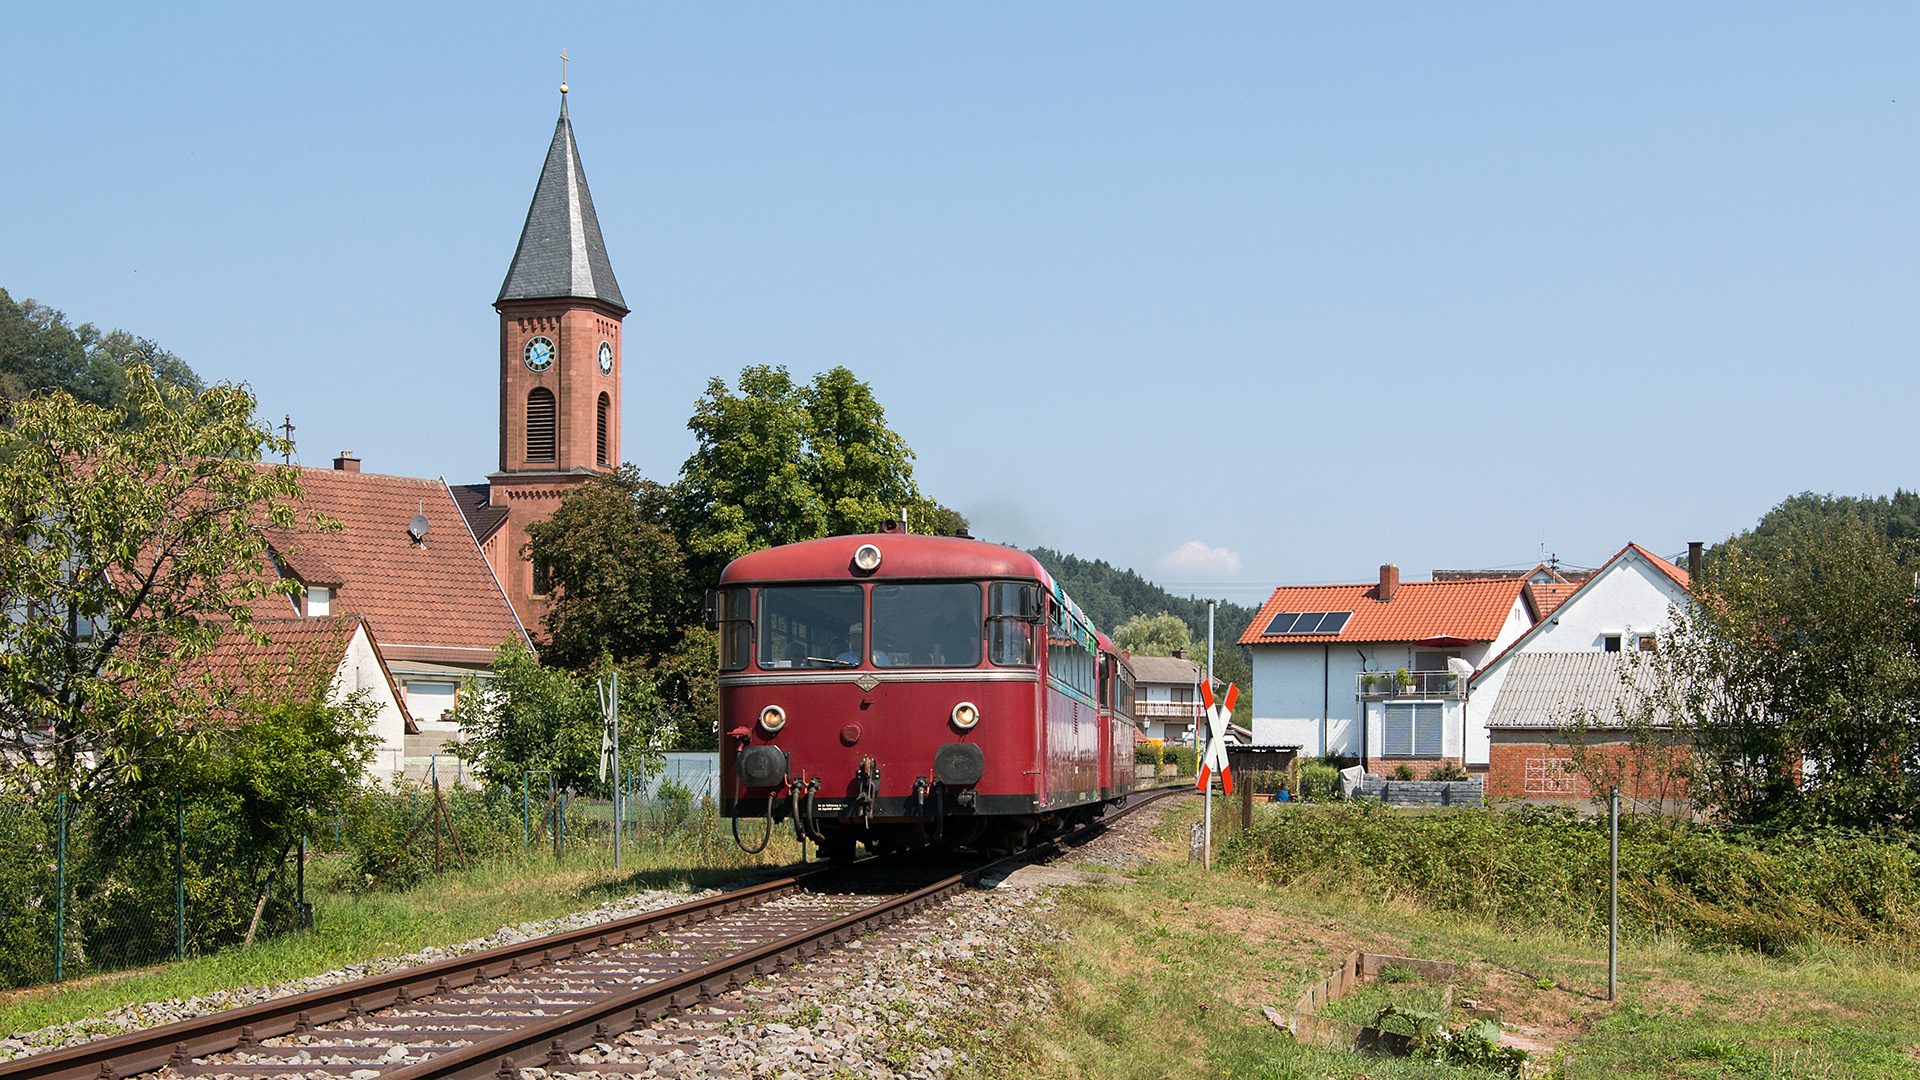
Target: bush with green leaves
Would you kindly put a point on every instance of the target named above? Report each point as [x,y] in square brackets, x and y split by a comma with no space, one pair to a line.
[1547,867]
[1318,782]
[1182,756]
[393,842]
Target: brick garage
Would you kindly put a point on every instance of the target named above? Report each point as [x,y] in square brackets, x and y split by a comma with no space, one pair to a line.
[1531,742]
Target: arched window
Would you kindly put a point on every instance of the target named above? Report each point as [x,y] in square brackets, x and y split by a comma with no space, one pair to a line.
[600,442]
[540,420]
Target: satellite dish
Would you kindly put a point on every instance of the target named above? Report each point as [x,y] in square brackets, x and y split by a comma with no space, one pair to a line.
[417,528]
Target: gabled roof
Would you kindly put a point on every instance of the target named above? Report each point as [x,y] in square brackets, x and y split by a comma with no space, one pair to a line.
[1164,669]
[1544,690]
[434,599]
[1471,610]
[561,253]
[1632,552]
[291,659]
[1547,597]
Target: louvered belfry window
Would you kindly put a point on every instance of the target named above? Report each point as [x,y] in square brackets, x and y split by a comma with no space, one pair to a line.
[600,441]
[540,424]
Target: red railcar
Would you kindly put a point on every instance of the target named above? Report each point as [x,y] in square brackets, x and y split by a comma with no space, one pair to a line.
[896,689]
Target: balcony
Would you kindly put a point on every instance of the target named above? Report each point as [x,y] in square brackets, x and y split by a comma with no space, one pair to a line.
[1420,686]
[1188,711]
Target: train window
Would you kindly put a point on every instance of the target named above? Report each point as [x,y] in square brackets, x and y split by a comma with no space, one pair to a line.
[1069,661]
[731,615]
[933,625]
[810,626]
[1009,635]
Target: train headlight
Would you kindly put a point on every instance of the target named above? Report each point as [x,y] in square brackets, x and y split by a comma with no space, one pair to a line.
[965,715]
[867,558]
[773,718]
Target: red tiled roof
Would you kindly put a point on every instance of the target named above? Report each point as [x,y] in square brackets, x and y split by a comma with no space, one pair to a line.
[1679,576]
[1548,597]
[1473,609]
[436,598]
[297,659]
[482,516]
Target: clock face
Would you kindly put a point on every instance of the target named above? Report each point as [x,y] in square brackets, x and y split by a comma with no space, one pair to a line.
[539,354]
[606,358]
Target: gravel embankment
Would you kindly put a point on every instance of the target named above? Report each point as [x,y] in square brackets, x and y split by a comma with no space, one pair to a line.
[914,1002]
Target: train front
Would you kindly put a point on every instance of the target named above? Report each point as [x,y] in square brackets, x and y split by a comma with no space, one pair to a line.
[882,689]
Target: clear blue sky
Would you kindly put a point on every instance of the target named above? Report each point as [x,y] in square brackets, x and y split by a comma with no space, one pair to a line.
[1320,286]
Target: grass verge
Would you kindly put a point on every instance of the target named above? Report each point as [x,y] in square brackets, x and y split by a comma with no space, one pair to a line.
[1166,977]
[456,906]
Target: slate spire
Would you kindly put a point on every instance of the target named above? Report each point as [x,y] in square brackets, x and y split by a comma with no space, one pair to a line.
[561,253]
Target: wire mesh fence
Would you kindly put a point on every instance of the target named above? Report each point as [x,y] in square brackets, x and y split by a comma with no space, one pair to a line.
[90,888]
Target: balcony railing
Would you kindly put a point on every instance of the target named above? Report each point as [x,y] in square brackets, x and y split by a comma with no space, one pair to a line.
[1428,685]
[1166,710]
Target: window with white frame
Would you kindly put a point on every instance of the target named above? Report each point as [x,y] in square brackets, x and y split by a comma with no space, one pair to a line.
[1412,729]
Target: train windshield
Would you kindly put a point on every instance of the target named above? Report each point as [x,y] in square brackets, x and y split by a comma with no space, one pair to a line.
[926,625]
[810,626]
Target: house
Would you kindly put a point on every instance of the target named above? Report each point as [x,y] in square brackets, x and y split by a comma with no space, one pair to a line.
[1532,747]
[289,658]
[1167,699]
[1378,671]
[1623,607]
[407,565]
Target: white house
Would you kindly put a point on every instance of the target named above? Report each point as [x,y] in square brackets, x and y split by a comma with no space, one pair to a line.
[1625,605]
[1378,671]
[1168,699]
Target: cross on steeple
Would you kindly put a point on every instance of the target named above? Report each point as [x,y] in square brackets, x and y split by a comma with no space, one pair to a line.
[563,70]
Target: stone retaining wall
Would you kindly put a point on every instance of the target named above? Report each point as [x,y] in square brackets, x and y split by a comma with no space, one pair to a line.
[1422,792]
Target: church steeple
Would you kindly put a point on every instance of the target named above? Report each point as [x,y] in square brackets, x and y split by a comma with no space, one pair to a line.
[561,254]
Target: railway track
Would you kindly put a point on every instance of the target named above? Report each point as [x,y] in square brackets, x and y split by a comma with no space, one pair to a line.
[532,1004]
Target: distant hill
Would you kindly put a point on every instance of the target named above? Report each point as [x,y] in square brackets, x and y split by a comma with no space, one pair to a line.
[1111,596]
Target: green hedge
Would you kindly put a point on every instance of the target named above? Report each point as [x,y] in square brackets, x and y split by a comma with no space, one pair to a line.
[1545,867]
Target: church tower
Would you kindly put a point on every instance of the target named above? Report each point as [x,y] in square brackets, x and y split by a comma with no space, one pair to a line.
[560,366]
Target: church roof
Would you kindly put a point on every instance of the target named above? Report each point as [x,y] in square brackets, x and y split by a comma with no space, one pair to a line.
[561,253]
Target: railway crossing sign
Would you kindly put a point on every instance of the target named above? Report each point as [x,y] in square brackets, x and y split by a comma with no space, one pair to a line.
[1218,716]
[610,733]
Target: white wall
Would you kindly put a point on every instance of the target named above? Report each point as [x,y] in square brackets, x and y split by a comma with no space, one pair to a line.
[360,670]
[1627,596]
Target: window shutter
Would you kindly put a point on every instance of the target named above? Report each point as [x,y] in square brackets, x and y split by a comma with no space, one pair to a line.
[1427,731]
[1399,731]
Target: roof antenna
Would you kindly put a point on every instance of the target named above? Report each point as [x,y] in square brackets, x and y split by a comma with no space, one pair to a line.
[288,429]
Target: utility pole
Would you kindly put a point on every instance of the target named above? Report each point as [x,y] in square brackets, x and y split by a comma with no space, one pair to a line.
[1200,745]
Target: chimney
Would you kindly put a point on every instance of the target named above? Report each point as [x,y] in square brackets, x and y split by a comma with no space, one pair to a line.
[1696,558]
[1179,654]
[346,462]
[1389,582]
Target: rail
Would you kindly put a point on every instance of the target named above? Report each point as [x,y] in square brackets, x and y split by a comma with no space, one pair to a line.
[537,1041]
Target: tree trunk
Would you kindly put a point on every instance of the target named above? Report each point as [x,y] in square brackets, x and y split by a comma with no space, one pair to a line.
[260,906]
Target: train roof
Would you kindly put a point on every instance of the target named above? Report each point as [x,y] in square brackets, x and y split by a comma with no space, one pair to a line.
[902,555]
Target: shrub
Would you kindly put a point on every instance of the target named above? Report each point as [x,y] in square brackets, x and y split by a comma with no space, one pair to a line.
[1403,772]
[1319,782]
[1546,867]
[1149,752]
[1447,771]
[1182,756]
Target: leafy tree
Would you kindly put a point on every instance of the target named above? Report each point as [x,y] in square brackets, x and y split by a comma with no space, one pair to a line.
[776,463]
[533,717]
[1896,517]
[39,351]
[129,540]
[1797,675]
[1153,635]
[619,575]
[746,485]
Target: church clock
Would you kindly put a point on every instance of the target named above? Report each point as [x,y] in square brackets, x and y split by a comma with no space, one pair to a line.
[606,358]
[539,354]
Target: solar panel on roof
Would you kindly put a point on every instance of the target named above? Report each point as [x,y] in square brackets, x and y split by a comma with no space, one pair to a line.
[1309,622]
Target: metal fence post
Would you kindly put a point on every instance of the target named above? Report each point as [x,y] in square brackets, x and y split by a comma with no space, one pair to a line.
[1613,889]
[526,810]
[179,874]
[60,889]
